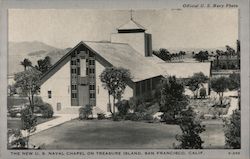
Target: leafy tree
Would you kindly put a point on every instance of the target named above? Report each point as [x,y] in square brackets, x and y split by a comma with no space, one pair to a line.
[232,131]
[163,54]
[238,53]
[234,84]
[234,81]
[26,63]
[123,107]
[11,90]
[173,99]
[201,56]
[195,82]
[29,121]
[43,65]
[191,128]
[115,81]
[220,85]
[29,83]
[203,92]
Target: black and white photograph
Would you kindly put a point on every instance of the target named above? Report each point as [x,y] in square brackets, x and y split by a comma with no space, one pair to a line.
[124,79]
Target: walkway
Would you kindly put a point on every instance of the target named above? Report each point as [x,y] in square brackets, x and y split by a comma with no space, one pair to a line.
[60,119]
[233,106]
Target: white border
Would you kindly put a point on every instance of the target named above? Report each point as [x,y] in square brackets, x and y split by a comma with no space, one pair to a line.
[128,4]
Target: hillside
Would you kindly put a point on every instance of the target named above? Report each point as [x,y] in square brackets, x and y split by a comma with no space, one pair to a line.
[33,51]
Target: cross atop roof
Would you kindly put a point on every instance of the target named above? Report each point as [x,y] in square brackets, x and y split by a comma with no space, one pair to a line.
[131,14]
[131,26]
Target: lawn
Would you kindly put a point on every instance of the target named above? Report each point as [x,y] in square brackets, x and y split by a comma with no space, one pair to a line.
[107,134]
[11,101]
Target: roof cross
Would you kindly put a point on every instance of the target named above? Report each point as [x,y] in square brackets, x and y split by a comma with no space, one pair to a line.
[131,14]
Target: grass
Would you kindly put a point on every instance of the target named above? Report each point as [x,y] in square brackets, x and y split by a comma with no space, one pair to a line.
[204,106]
[11,101]
[106,134]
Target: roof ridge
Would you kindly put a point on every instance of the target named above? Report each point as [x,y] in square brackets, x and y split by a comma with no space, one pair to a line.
[106,42]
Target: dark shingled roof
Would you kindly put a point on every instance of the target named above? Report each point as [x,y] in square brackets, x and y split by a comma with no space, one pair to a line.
[131,25]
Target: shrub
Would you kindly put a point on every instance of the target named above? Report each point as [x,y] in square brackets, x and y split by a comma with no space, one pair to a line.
[116,117]
[85,112]
[13,113]
[133,116]
[203,92]
[232,130]
[16,140]
[147,117]
[28,119]
[47,110]
[123,107]
[191,129]
[100,116]
[38,100]
[168,118]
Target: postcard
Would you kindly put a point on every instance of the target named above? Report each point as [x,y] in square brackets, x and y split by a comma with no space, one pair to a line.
[116,79]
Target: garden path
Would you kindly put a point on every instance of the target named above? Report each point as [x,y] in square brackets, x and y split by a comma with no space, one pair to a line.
[60,119]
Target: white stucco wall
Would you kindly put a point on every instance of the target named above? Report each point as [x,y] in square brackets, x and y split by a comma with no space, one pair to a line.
[59,85]
[102,94]
[135,40]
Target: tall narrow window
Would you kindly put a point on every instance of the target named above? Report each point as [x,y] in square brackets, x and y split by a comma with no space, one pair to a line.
[92,95]
[49,94]
[73,70]
[74,87]
[83,67]
[73,95]
[91,87]
[78,70]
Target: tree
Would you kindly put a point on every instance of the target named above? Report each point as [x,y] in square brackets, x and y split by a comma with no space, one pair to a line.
[229,52]
[26,63]
[29,121]
[203,92]
[173,99]
[115,81]
[232,131]
[29,83]
[195,81]
[163,54]
[11,90]
[234,84]
[234,81]
[220,85]
[238,54]
[43,65]
[191,128]
[201,56]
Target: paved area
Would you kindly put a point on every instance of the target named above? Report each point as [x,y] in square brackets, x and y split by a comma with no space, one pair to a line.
[60,119]
[233,106]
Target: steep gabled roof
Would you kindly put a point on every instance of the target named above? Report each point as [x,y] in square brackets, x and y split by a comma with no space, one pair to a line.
[118,55]
[141,68]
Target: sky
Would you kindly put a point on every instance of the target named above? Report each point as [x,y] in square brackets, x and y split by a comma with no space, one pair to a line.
[176,29]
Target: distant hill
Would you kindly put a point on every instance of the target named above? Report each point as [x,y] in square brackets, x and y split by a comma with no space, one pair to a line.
[34,51]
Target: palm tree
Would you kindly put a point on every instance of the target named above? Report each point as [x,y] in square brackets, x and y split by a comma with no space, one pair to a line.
[26,63]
